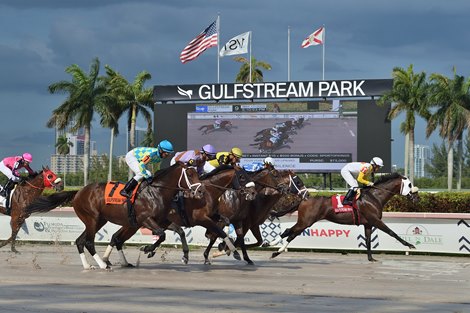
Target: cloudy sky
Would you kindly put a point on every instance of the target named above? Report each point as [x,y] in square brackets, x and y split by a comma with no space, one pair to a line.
[364,40]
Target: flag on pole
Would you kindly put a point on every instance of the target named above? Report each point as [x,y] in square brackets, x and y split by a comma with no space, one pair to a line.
[316,38]
[203,41]
[236,45]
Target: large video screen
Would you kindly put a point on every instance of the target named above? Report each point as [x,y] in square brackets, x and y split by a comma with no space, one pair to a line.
[305,136]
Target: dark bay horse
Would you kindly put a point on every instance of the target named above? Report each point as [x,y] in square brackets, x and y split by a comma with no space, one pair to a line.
[224,125]
[267,145]
[25,193]
[245,216]
[216,182]
[370,206]
[152,200]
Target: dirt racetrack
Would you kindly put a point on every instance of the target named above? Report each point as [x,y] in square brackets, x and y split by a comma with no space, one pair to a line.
[50,278]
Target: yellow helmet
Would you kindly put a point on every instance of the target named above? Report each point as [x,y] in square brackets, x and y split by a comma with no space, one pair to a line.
[237,152]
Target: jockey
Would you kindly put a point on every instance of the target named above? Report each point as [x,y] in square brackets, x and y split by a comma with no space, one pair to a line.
[138,158]
[227,158]
[197,158]
[217,124]
[359,172]
[275,138]
[257,166]
[10,166]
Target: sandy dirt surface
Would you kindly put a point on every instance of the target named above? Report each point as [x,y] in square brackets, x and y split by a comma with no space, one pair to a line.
[50,278]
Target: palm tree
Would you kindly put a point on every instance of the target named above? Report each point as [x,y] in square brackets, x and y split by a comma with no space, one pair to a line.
[84,93]
[409,95]
[451,99]
[243,75]
[63,148]
[133,98]
[110,114]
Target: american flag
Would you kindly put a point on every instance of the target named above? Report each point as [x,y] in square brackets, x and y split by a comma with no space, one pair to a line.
[203,41]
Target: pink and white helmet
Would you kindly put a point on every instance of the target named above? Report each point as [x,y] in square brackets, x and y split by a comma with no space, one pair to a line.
[27,157]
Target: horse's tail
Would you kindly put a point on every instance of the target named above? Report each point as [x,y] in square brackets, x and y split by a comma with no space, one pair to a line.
[45,204]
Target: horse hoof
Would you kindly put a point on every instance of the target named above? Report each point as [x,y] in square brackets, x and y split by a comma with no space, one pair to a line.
[128,265]
[150,254]
[207,262]
[221,246]
[108,263]
[236,255]
[184,260]
[275,254]
[412,247]
[265,244]
[249,262]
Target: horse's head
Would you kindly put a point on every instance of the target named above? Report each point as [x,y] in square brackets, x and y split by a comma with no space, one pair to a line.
[184,178]
[45,179]
[407,189]
[398,184]
[268,183]
[291,183]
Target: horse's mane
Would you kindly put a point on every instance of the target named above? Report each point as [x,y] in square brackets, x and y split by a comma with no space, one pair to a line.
[216,171]
[385,178]
[29,177]
[164,171]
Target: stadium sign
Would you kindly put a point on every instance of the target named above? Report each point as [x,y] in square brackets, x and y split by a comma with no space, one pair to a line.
[273,90]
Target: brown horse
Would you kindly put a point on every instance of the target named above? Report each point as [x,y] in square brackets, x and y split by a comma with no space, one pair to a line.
[224,125]
[266,145]
[245,216]
[215,183]
[152,200]
[370,206]
[25,193]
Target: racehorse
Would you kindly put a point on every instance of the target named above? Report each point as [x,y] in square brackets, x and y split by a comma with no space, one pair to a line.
[295,123]
[369,206]
[153,200]
[25,193]
[216,182]
[224,125]
[282,137]
[268,146]
[267,132]
[271,186]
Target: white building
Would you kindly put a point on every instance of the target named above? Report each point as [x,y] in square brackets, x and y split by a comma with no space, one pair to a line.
[422,155]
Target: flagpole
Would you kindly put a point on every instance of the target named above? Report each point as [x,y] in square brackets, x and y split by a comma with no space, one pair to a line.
[251,35]
[324,43]
[218,48]
[288,53]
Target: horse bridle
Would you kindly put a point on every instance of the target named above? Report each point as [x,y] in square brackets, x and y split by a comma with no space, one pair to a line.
[51,183]
[413,189]
[303,193]
[180,187]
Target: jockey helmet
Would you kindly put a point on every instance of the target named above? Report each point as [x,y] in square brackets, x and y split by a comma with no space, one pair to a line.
[209,150]
[237,152]
[269,161]
[377,161]
[166,146]
[27,157]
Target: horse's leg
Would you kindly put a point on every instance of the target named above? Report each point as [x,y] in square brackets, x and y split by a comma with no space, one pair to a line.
[151,224]
[179,230]
[212,239]
[80,243]
[381,225]
[16,223]
[291,233]
[241,243]
[210,225]
[117,240]
[257,234]
[368,235]
[87,239]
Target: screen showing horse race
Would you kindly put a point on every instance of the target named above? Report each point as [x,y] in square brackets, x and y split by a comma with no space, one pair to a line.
[322,126]
[312,136]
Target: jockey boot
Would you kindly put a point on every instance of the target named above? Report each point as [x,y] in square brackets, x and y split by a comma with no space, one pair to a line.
[7,188]
[348,199]
[129,188]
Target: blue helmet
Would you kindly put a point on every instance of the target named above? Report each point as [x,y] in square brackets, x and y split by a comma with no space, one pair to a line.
[166,146]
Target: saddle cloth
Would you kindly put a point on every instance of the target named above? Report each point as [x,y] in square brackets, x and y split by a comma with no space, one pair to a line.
[339,207]
[112,190]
